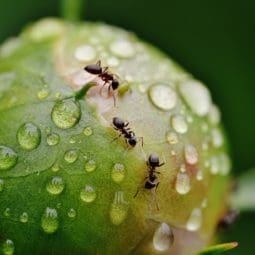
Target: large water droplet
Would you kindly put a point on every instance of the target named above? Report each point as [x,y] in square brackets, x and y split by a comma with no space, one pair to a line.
[179,124]
[90,165]
[66,113]
[71,156]
[163,238]
[29,136]
[71,213]
[195,220]
[85,53]
[118,172]
[122,48]
[87,131]
[191,155]
[8,247]
[49,220]
[119,208]
[172,138]
[182,184]
[1,185]
[55,186]
[23,217]
[8,158]
[88,194]
[53,139]
[163,96]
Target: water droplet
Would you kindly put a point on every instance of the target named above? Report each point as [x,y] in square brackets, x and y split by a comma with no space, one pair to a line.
[42,94]
[118,172]
[58,95]
[172,138]
[71,156]
[85,53]
[55,167]
[214,163]
[217,138]
[66,113]
[179,124]
[119,208]
[90,165]
[7,212]
[23,217]
[225,164]
[88,194]
[122,48]
[199,175]
[8,158]
[163,96]
[8,247]
[29,136]
[197,96]
[195,220]
[71,213]
[163,238]
[49,220]
[214,115]
[113,62]
[182,168]
[72,140]
[1,185]
[191,155]
[53,139]
[87,131]
[204,203]
[48,130]
[55,186]
[182,184]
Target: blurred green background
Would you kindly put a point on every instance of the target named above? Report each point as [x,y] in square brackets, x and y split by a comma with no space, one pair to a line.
[214,40]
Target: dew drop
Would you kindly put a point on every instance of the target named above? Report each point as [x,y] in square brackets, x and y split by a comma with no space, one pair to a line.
[182,184]
[90,166]
[163,238]
[172,138]
[179,124]
[71,213]
[72,140]
[119,208]
[49,220]
[88,194]
[122,48]
[23,217]
[7,212]
[55,186]
[217,138]
[1,185]
[195,220]
[53,139]
[163,96]
[225,164]
[42,94]
[214,115]
[199,175]
[191,155]
[85,53]
[214,165]
[71,156]
[8,247]
[55,167]
[66,113]
[8,158]
[87,131]
[118,172]
[29,136]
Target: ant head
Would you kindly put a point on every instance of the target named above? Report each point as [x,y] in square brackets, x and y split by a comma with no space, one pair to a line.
[115,84]
[94,68]
[118,123]
[153,160]
[132,141]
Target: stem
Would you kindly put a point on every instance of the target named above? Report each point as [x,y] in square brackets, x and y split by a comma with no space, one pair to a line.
[83,91]
[72,9]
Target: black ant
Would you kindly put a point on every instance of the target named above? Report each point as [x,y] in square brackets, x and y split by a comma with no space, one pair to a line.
[152,179]
[228,219]
[105,75]
[129,135]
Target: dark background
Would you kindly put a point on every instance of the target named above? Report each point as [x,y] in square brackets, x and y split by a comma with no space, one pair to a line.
[214,40]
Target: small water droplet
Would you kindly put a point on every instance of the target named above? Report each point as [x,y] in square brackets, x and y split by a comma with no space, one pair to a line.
[55,167]
[23,217]
[119,208]
[182,184]
[163,96]
[71,156]
[87,131]
[195,220]
[88,194]
[42,94]
[214,115]
[123,49]
[199,175]
[204,203]
[58,95]
[118,172]
[179,124]
[8,158]
[90,165]
[49,220]
[163,238]
[225,164]
[53,139]
[71,213]
[217,138]
[172,138]
[182,168]
[72,140]
[55,186]
[29,136]
[8,247]
[48,130]
[7,212]
[214,165]
[191,155]
[66,113]
[1,185]
[85,53]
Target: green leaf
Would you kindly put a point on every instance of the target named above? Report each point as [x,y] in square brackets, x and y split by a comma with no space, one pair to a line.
[219,248]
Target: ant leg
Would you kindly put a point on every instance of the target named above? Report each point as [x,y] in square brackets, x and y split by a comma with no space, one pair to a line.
[115,138]
[136,192]
[161,164]
[98,63]
[114,99]
[105,70]
[126,124]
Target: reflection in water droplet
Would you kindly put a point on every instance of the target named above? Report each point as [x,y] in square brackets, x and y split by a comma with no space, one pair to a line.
[163,96]
[53,139]
[42,94]
[179,124]
[66,113]
[8,158]
[71,156]
[191,155]
[195,220]
[182,184]
[118,172]
[29,136]
[49,220]
[163,238]
[7,212]
[85,53]
[172,138]
[90,166]
[23,217]
[119,208]
[55,186]
[8,247]
[71,213]
[88,194]
[1,185]
[122,48]
[87,131]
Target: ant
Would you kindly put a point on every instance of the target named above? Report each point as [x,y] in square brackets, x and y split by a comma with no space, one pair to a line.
[107,77]
[129,135]
[151,179]
[228,219]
